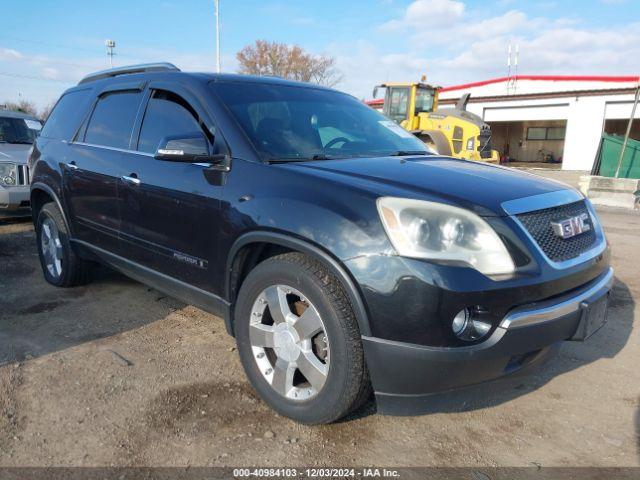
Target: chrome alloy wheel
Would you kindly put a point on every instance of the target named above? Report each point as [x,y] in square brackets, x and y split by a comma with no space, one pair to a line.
[289,342]
[51,247]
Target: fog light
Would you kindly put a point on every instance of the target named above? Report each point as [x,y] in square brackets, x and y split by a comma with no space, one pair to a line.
[460,321]
[469,324]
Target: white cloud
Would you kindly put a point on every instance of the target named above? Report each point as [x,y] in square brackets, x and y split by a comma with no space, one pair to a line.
[9,54]
[42,78]
[474,47]
[443,39]
[506,23]
[427,14]
[50,72]
[364,66]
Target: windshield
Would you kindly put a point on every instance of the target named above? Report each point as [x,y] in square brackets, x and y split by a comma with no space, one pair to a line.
[297,123]
[16,130]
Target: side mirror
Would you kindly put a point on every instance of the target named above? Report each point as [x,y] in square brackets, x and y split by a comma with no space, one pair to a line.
[191,148]
[375,91]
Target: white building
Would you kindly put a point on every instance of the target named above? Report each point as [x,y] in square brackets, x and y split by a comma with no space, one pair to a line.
[532,116]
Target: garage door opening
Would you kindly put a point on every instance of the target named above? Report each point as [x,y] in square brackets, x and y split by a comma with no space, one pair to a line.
[538,143]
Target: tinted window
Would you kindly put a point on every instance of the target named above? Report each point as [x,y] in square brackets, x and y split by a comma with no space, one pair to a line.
[112,120]
[166,115]
[65,117]
[287,122]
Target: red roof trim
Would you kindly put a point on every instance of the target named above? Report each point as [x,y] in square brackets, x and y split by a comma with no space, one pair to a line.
[377,101]
[554,78]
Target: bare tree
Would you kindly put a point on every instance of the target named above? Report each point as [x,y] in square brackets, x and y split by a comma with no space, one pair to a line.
[44,113]
[287,61]
[23,106]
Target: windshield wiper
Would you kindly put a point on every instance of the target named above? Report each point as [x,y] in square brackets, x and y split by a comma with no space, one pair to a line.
[322,156]
[406,153]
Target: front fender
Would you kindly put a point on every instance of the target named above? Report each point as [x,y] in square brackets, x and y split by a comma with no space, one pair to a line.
[314,251]
[329,221]
[339,218]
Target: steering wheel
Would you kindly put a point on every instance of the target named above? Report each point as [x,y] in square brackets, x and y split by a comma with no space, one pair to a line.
[337,140]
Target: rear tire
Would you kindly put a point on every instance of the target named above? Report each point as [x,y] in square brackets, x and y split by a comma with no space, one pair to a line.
[298,289]
[60,264]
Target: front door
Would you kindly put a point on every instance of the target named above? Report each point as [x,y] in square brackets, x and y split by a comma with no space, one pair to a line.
[396,103]
[170,212]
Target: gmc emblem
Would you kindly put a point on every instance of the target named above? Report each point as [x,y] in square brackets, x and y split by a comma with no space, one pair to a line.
[571,227]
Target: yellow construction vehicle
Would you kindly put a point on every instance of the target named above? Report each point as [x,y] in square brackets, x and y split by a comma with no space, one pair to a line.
[450,131]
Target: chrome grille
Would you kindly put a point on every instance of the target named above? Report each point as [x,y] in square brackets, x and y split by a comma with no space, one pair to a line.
[538,224]
[23,175]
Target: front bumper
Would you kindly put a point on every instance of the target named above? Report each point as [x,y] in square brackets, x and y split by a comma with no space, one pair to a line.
[405,375]
[14,200]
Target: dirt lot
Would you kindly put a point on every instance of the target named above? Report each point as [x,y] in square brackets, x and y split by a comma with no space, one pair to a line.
[117,374]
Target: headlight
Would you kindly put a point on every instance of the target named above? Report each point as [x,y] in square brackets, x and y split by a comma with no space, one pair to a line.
[470,143]
[435,231]
[8,174]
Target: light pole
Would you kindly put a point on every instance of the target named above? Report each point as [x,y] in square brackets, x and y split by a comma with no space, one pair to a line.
[111,45]
[217,9]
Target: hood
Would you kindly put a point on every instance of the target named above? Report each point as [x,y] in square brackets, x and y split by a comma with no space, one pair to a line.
[476,186]
[16,153]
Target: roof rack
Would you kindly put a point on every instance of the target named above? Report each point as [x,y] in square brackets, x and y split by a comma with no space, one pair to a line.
[142,68]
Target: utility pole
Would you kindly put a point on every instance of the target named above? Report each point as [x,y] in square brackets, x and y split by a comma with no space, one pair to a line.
[512,60]
[515,66]
[217,9]
[111,45]
[626,136]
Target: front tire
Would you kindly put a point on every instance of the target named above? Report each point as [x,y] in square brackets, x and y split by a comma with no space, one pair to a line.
[60,264]
[299,341]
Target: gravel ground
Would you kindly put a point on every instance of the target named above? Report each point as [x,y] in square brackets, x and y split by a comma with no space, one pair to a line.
[115,373]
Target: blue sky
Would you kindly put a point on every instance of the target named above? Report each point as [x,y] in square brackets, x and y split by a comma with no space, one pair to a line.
[47,46]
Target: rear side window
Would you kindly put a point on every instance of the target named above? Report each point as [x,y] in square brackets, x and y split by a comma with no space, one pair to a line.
[112,120]
[66,116]
[167,114]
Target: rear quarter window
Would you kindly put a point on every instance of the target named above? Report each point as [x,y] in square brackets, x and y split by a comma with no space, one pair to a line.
[66,115]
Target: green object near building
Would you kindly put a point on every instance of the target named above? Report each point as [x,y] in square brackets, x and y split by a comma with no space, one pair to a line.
[609,154]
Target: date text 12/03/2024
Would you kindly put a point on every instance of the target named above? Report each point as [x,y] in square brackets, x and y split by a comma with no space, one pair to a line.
[316,473]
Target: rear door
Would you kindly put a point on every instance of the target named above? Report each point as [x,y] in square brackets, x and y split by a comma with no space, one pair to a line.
[170,212]
[95,163]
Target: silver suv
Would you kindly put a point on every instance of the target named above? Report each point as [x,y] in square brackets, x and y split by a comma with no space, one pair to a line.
[17,133]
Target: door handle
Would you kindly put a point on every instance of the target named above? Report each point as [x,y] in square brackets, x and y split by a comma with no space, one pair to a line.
[72,165]
[131,180]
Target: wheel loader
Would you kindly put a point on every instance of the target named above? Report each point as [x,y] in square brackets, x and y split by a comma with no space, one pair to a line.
[454,132]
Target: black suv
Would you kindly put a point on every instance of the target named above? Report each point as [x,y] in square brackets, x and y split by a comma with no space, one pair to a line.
[343,255]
